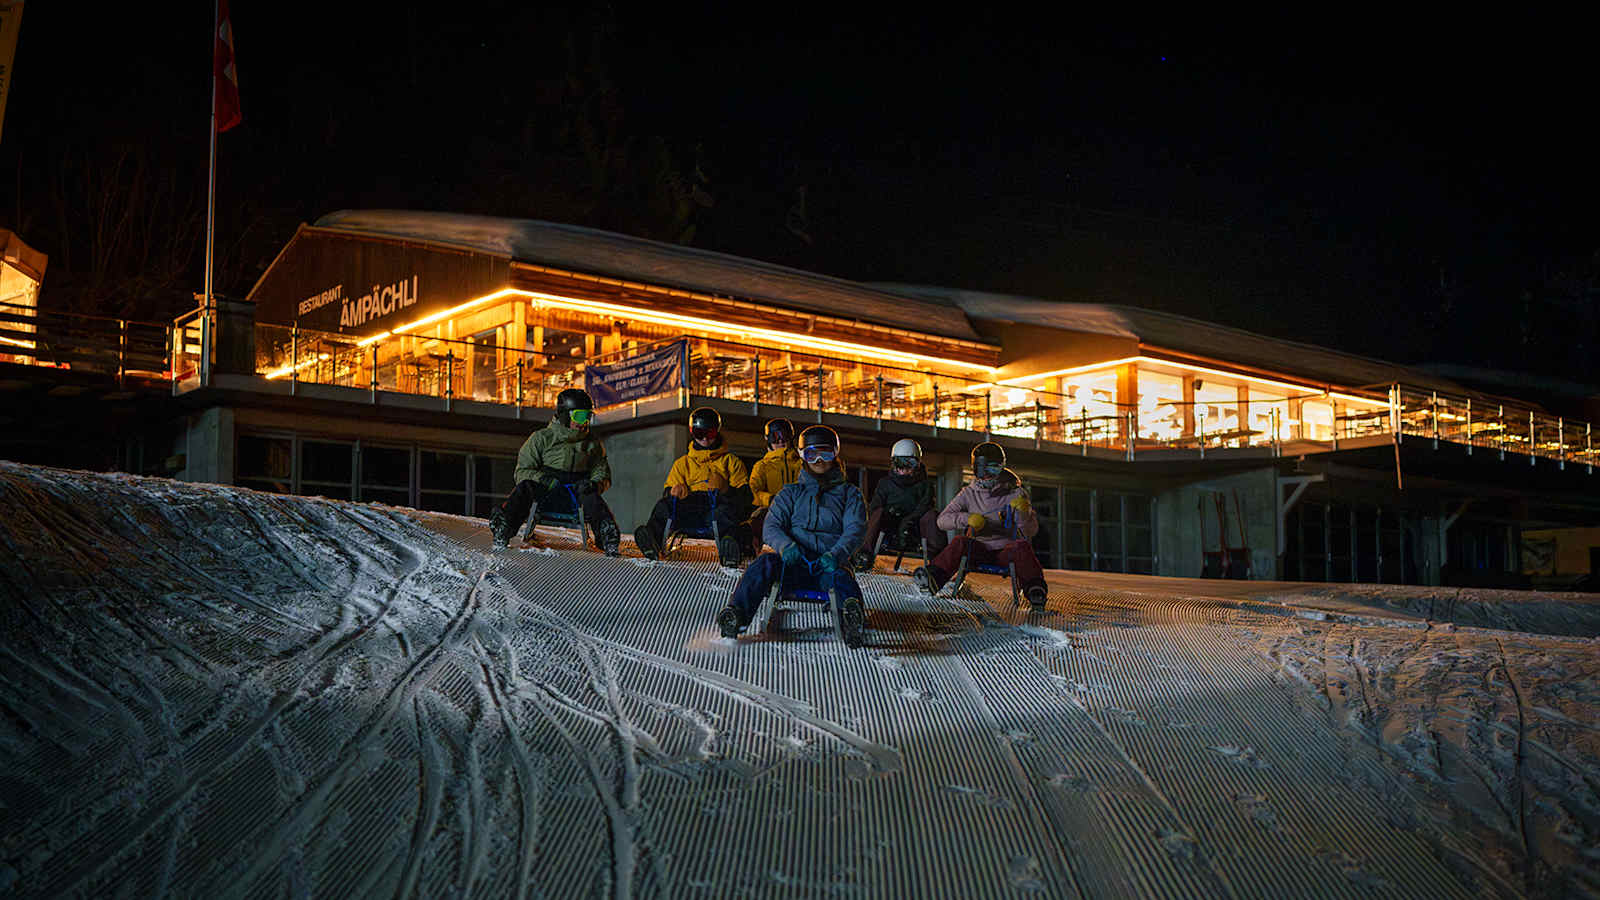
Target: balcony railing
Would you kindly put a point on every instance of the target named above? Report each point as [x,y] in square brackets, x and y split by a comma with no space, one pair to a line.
[118,347]
[409,364]
[762,376]
[1494,426]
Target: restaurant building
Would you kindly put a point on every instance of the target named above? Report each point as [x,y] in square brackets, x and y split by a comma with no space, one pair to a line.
[402,357]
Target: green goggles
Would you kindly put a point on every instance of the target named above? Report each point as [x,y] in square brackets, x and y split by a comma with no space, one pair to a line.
[581,416]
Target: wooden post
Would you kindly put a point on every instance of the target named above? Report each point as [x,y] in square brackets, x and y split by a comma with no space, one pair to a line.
[1188,407]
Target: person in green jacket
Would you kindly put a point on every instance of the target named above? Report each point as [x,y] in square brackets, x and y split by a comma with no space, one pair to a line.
[562,453]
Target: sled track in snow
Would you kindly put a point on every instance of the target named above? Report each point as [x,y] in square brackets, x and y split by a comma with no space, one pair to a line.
[216,692]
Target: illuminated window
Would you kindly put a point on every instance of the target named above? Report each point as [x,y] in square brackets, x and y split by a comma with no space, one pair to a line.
[1316,421]
[1216,408]
[1268,417]
[1160,405]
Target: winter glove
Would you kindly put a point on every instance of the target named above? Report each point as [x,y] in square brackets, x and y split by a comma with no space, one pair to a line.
[679,491]
[829,563]
[718,481]
[546,481]
[976,521]
[1020,503]
[790,554]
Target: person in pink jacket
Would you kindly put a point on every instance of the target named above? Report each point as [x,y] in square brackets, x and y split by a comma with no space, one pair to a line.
[996,520]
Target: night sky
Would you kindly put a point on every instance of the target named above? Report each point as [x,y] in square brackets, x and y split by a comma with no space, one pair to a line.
[1421,192]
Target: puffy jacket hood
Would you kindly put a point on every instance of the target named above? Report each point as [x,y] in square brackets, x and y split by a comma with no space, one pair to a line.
[823,514]
[779,467]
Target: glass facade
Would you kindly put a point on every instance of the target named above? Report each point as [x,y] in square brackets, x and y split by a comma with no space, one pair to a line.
[522,353]
[413,475]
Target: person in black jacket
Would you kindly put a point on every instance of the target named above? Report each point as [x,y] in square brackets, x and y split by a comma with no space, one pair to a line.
[903,506]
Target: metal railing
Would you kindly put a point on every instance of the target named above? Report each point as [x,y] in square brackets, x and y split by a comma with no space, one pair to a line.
[1492,425]
[123,348]
[409,364]
[455,370]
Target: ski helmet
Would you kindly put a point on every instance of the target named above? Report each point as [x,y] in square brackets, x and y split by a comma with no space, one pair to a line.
[819,443]
[780,429]
[705,424]
[988,459]
[569,400]
[905,454]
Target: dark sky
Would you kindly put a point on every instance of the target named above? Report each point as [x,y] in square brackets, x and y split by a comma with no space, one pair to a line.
[1410,192]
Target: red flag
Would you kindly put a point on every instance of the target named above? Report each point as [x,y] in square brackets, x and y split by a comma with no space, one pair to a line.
[226,87]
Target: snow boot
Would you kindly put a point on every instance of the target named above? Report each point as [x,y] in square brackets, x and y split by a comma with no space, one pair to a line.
[852,621]
[1037,595]
[928,578]
[728,622]
[608,536]
[500,528]
[647,542]
[729,553]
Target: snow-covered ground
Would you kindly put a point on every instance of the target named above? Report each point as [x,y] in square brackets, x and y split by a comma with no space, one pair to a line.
[208,691]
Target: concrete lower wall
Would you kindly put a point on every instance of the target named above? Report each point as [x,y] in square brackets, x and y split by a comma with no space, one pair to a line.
[640,461]
[207,447]
[1186,522]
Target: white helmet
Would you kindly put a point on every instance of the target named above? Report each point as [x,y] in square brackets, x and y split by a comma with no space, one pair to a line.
[906,447]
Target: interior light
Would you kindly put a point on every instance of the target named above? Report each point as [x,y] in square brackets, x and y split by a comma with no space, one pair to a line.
[284,370]
[658,317]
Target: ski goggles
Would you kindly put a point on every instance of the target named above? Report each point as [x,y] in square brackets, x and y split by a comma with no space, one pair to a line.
[704,434]
[904,462]
[581,416]
[988,469]
[819,454]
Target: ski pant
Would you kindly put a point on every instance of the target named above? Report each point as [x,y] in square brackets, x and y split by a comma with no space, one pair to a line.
[767,568]
[695,513]
[1029,572]
[926,527]
[554,498]
[753,540]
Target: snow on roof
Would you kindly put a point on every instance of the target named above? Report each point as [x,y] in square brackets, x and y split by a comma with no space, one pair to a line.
[596,252]
[1171,331]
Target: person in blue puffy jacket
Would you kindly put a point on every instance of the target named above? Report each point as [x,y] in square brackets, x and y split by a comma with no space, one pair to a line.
[813,527]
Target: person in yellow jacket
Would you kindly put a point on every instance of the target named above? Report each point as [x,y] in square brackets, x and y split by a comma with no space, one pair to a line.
[705,483]
[779,467]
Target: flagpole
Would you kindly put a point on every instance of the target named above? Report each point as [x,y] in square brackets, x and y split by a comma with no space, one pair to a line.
[206,325]
[211,177]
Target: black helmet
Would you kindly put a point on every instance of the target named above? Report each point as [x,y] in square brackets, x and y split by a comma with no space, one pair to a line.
[780,429]
[569,400]
[988,459]
[705,423]
[819,439]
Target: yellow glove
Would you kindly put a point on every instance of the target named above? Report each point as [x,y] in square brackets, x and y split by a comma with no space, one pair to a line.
[1020,503]
[679,490]
[976,521]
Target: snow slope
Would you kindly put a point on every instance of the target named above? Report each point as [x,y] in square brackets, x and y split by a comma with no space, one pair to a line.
[209,691]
